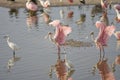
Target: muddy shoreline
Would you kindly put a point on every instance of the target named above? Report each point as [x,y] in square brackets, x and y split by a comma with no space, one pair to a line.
[21,3]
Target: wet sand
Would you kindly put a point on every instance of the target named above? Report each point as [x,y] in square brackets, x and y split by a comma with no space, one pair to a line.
[21,3]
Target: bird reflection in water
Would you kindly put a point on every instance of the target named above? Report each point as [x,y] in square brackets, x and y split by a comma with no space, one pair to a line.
[32,21]
[46,17]
[104,70]
[11,62]
[116,62]
[62,71]
[13,12]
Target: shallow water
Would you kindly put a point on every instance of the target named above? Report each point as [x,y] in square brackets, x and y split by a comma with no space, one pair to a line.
[38,54]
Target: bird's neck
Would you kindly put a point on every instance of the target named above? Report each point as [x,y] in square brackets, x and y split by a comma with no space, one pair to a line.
[8,40]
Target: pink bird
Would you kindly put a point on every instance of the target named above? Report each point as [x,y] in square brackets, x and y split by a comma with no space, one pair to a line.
[61,33]
[104,4]
[104,33]
[31,6]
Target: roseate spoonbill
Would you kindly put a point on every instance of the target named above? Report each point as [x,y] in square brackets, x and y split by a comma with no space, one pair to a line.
[30,5]
[12,45]
[104,4]
[61,33]
[68,63]
[104,33]
[45,4]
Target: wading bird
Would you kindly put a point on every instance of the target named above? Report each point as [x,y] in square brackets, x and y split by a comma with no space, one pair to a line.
[104,33]
[60,34]
[12,45]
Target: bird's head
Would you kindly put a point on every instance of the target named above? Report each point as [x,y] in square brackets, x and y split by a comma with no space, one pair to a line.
[6,37]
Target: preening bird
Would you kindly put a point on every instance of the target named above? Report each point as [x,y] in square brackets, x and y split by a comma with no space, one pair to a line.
[12,45]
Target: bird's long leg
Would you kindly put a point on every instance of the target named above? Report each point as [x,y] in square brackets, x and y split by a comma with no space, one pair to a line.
[14,54]
[103,52]
[100,54]
[58,51]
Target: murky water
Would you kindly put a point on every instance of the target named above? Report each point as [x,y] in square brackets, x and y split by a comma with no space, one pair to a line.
[37,54]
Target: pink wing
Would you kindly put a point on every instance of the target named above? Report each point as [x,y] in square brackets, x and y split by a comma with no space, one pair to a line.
[66,30]
[110,30]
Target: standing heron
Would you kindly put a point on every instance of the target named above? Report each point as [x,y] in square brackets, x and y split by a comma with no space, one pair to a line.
[12,45]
